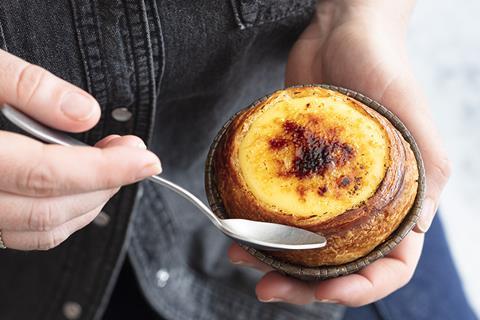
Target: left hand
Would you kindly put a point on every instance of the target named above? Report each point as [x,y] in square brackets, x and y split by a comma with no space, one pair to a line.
[360,45]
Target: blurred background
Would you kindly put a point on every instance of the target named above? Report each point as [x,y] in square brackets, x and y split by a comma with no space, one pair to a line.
[444,43]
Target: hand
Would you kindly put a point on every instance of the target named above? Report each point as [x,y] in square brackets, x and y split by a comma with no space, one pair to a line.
[47,192]
[360,45]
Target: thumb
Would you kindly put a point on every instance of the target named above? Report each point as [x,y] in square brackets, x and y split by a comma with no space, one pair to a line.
[45,97]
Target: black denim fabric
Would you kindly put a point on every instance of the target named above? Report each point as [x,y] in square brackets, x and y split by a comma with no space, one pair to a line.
[182,68]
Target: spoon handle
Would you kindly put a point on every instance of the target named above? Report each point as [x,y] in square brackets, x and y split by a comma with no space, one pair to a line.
[49,135]
[189,196]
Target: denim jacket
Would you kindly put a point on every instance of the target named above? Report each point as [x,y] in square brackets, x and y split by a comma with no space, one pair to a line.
[171,72]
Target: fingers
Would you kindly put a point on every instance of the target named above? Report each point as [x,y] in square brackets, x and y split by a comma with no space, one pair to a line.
[33,169]
[45,97]
[372,283]
[31,223]
[20,213]
[45,240]
[377,280]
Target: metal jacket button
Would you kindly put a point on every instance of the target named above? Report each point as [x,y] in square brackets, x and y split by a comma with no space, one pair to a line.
[102,219]
[121,114]
[162,278]
[72,310]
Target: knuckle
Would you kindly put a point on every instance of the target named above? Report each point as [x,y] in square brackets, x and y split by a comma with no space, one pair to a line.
[42,216]
[51,239]
[29,79]
[37,180]
[442,169]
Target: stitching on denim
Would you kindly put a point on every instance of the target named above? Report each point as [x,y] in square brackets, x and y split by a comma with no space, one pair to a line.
[237,14]
[86,20]
[152,102]
[157,43]
[78,35]
[130,54]
[97,130]
[143,61]
[81,45]
[162,52]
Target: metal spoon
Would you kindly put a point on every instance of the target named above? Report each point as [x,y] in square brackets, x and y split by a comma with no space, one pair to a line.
[261,235]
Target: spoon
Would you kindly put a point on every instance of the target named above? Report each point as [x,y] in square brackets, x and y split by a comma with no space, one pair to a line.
[261,235]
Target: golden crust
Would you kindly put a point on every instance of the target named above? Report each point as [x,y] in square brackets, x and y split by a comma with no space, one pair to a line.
[351,234]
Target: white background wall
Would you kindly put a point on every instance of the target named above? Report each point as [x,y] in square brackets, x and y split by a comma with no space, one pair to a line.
[444,42]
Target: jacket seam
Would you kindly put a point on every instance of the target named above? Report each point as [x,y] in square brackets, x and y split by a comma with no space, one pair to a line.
[157,42]
[85,20]
[162,53]
[145,75]
[3,40]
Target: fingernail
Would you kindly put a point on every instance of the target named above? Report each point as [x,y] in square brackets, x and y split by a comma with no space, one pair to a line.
[426,217]
[150,170]
[328,301]
[270,300]
[135,143]
[77,106]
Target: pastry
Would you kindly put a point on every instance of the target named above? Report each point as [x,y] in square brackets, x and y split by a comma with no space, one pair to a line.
[317,159]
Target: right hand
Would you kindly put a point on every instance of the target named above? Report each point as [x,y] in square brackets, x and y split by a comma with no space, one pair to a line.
[47,192]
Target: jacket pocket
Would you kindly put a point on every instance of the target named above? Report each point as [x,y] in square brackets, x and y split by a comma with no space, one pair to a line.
[249,13]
